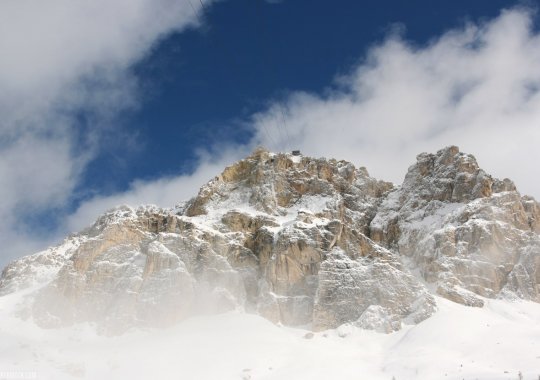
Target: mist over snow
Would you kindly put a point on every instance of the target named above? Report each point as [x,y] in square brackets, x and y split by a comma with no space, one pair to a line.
[474,343]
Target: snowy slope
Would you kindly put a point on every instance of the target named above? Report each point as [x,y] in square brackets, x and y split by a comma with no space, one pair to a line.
[494,342]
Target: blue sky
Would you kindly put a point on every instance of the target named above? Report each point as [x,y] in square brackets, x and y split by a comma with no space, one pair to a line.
[198,84]
[142,101]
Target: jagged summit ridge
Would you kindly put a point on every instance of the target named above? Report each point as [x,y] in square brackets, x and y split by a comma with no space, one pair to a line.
[468,233]
[300,241]
[273,183]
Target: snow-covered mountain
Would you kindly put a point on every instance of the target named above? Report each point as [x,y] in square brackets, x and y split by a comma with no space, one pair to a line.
[300,241]
[303,242]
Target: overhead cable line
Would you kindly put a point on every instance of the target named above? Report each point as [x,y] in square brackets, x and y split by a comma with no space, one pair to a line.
[231,61]
[281,130]
[281,125]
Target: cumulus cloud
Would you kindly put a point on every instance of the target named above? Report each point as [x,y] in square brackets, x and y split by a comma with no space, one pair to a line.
[476,87]
[62,58]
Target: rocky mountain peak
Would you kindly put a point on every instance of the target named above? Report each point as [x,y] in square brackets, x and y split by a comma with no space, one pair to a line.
[450,175]
[300,241]
[274,182]
[467,231]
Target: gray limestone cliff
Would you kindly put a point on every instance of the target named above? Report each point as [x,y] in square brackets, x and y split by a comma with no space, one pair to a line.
[300,241]
[469,234]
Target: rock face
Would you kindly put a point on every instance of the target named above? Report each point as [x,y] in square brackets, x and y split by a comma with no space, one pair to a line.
[468,233]
[301,241]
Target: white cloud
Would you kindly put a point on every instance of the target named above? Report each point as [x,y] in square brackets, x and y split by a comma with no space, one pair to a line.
[475,86]
[60,58]
[164,192]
